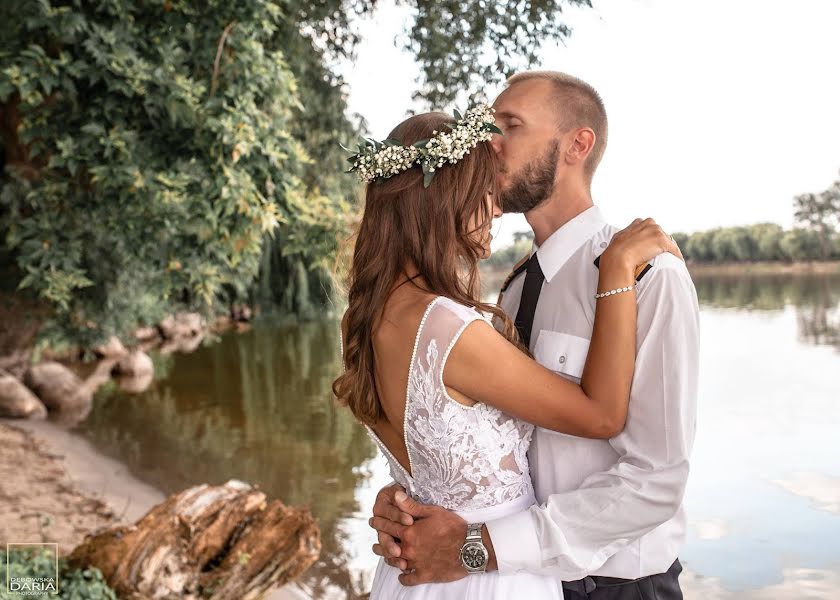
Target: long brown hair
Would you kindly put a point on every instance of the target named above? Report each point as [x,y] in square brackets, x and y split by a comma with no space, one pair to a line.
[403,221]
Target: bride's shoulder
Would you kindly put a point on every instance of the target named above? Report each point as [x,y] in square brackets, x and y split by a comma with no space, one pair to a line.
[464,311]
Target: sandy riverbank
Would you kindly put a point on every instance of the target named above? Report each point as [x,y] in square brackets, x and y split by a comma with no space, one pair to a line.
[40,504]
[55,487]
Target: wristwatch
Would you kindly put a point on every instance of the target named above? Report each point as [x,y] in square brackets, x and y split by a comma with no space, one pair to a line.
[474,555]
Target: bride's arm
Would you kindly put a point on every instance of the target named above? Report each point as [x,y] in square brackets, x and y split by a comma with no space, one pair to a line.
[484,366]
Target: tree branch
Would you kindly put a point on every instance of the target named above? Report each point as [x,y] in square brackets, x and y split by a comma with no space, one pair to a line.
[214,83]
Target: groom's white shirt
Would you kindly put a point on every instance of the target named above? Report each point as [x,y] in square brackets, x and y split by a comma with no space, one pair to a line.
[608,507]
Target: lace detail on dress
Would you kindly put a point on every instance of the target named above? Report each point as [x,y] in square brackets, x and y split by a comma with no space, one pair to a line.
[461,457]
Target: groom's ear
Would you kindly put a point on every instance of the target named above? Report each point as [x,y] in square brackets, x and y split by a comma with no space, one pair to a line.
[582,144]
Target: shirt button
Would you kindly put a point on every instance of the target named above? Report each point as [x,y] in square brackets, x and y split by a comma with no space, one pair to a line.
[562,359]
[604,244]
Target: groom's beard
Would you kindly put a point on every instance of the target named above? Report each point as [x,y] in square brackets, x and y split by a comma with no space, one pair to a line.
[533,183]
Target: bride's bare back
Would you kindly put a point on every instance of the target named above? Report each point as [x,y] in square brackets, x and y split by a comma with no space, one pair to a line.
[460,456]
[393,344]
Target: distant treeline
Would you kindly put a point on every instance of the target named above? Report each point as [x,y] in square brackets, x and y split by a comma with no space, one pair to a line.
[814,237]
[751,243]
[761,242]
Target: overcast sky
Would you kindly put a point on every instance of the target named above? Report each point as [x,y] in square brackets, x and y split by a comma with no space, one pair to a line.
[720,111]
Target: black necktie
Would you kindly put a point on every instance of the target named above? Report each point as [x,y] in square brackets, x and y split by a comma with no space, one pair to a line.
[528,303]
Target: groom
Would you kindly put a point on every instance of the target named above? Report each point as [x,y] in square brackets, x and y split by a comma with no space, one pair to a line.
[609,522]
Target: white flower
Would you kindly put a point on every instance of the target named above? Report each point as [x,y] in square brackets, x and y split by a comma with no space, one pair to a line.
[377,160]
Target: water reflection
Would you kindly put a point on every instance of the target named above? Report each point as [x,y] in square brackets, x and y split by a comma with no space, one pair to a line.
[764,491]
[816,298]
[767,292]
[254,406]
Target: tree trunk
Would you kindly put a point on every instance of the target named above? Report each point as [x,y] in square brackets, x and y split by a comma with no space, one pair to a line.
[207,542]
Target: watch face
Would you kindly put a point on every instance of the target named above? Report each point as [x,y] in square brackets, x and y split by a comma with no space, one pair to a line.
[474,555]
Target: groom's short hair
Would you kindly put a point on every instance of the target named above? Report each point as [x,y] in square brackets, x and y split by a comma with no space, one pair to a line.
[580,106]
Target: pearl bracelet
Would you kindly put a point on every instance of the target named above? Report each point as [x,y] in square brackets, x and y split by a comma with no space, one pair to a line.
[613,292]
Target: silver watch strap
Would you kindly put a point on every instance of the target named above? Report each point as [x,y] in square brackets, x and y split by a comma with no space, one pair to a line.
[474,532]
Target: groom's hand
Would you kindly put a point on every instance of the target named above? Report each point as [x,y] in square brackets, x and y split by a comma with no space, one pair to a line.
[386,515]
[431,546]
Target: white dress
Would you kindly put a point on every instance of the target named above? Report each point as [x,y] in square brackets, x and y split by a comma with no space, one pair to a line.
[471,460]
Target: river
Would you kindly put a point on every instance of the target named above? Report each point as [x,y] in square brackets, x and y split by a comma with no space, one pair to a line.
[764,493]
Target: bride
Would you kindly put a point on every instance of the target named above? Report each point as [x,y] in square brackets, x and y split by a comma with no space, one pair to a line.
[439,378]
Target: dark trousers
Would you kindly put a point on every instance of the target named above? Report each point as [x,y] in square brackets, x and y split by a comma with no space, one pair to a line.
[664,586]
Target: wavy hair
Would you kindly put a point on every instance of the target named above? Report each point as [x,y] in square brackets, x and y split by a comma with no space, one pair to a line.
[403,221]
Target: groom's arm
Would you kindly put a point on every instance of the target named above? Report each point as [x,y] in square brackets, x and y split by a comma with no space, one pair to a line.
[576,532]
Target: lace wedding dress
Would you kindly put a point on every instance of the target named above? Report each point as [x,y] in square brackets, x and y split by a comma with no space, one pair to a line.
[468,459]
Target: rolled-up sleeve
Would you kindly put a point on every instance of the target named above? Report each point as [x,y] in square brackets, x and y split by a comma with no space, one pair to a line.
[575,532]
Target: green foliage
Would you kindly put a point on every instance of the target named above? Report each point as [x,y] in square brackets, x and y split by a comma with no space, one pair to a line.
[820,213]
[320,119]
[801,244]
[681,239]
[762,242]
[85,584]
[505,258]
[461,45]
[699,246]
[153,155]
[73,584]
[768,241]
[733,244]
[464,45]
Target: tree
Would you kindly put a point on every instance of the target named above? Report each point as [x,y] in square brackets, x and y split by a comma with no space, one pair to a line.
[820,213]
[462,45]
[505,258]
[149,151]
[767,238]
[682,241]
[296,268]
[732,244]
[468,44]
[699,246]
[801,244]
[763,241]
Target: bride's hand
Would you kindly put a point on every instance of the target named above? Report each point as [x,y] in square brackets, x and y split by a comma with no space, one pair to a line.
[639,242]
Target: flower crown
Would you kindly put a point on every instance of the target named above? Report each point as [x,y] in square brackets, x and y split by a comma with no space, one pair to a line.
[381,160]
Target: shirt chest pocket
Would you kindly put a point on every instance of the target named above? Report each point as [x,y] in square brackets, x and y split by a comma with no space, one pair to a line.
[562,352]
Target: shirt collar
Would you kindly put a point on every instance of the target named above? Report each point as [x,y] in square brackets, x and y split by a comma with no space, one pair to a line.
[560,245]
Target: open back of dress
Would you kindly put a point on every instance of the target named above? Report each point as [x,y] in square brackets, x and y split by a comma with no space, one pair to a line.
[463,458]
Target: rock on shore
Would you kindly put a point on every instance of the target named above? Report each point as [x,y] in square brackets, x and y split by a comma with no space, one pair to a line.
[17,401]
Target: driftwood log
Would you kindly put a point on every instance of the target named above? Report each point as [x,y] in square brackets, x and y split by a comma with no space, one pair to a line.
[207,542]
